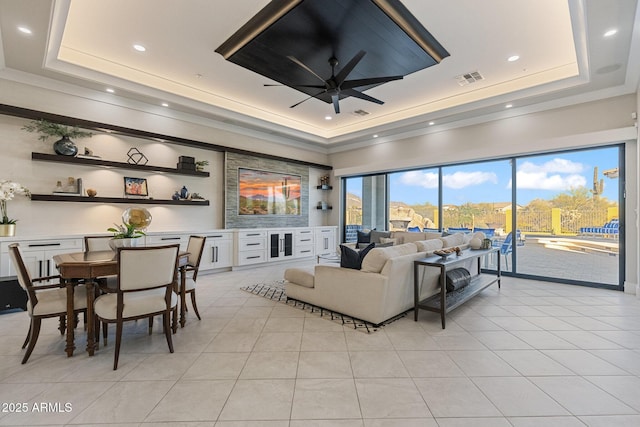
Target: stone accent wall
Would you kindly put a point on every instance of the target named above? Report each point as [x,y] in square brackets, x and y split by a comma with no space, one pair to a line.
[233,161]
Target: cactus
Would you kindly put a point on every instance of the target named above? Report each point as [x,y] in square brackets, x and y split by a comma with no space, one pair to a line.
[598,186]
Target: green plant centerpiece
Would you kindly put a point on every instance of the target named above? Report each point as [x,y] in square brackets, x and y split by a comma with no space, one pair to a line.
[125,235]
[64,146]
[134,222]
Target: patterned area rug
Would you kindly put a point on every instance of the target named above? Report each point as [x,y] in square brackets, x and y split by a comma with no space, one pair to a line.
[275,291]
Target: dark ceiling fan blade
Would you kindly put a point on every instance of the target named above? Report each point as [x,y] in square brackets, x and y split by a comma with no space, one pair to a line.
[300,63]
[356,94]
[310,86]
[350,84]
[344,72]
[336,105]
[306,99]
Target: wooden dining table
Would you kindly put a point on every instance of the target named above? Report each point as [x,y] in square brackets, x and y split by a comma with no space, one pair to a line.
[86,267]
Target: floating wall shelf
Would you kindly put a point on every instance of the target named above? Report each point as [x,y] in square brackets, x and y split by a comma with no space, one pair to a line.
[84,199]
[109,164]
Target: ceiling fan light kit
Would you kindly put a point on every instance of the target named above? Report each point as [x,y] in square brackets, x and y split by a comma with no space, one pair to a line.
[290,41]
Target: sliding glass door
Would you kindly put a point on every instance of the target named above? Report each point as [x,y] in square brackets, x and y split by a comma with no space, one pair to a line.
[568,216]
[556,217]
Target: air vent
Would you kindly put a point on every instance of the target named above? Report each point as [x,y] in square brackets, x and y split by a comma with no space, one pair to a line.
[360,113]
[468,78]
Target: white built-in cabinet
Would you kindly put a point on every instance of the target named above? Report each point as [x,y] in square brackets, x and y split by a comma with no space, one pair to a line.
[37,255]
[255,246]
[223,248]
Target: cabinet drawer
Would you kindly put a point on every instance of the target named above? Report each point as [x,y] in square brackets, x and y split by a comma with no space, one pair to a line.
[218,236]
[45,245]
[303,251]
[252,244]
[252,257]
[167,239]
[304,240]
[248,234]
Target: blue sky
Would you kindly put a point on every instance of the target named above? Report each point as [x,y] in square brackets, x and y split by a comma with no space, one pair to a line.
[538,177]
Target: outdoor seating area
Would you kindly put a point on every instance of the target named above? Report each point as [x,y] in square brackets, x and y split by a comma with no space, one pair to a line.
[610,229]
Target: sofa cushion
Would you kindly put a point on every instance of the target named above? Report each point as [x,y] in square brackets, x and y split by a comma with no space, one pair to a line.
[408,236]
[377,258]
[377,235]
[429,245]
[452,240]
[351,258]
[300,276]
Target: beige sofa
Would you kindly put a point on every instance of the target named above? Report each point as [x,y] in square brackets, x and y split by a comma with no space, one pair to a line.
[383,288]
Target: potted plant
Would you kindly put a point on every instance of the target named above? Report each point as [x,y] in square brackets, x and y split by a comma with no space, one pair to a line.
[8,190]
[200,164]
[64,146]
[125,235]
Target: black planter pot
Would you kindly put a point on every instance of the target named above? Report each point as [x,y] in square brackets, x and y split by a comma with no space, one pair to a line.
[65,147]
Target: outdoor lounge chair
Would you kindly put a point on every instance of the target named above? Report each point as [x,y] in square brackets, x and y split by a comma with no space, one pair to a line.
[610,229]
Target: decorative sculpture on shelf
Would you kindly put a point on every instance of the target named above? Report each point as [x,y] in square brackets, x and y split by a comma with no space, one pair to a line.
[135,157]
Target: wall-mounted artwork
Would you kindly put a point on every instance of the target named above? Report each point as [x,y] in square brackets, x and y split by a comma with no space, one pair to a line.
[135,187]
[268,193]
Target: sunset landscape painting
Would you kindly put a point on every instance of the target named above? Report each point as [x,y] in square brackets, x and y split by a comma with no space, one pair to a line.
[268,193]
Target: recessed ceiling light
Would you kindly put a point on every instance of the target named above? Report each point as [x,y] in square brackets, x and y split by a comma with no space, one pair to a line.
[328,117]
[610,32]
[25,30]
[110,90]
[375,136]
[164,104]
[513,58]
[508,106]
[139,47]
[432,123]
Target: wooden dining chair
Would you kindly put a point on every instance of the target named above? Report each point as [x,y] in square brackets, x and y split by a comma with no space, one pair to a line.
[101,243]
[145,288]
[45,301]
[195,248]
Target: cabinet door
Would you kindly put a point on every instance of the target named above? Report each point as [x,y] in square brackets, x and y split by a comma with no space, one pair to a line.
[223,254]
[287,241]
[218,253]
[280,245]
[325,241]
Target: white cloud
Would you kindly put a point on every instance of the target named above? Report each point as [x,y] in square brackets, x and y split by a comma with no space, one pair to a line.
[557,175]
[420,179]
[542,181]
[460,180]
[556,165]
[456,180]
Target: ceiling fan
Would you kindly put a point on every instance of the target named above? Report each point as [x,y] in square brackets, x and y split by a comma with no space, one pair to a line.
[337,85]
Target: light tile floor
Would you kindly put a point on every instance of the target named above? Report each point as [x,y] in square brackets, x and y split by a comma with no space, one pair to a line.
[532,354]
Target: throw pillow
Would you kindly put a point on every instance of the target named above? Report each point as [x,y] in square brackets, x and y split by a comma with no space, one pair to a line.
[389,240]
[364,236]
[350,258]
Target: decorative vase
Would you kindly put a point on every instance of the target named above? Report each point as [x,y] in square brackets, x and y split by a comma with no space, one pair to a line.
[65,147]
[123,243]
[184,193]
[7,230]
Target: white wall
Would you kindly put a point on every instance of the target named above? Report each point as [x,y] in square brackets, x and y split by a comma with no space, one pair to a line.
[37,218]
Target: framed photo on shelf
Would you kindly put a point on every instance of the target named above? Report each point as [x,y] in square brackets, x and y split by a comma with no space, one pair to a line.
[135,187]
